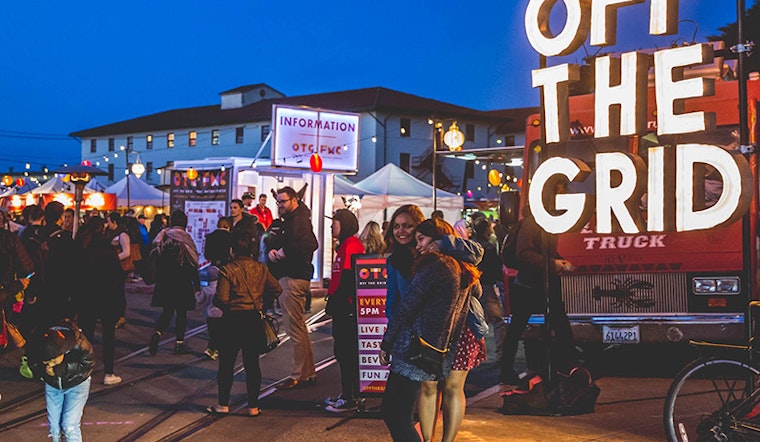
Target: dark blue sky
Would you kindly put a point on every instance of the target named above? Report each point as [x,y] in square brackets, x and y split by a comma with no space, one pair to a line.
[69,66]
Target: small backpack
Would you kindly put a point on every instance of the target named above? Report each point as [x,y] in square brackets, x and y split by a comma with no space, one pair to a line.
[509,247]
[567,394]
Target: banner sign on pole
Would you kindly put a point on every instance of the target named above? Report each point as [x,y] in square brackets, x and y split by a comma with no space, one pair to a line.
[371,277]
[210,185]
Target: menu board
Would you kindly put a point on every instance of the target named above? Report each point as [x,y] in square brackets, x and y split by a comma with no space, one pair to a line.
[202,217]
[371,276]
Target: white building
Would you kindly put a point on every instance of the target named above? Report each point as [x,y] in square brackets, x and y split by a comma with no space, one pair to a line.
[394,127]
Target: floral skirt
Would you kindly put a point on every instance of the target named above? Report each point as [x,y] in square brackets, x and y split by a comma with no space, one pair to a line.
[470,351]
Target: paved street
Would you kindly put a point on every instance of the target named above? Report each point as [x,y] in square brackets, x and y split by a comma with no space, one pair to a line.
[162,397]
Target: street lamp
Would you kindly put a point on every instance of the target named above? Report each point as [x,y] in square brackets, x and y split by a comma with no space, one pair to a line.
[137,169]
[79,175]
[453,139]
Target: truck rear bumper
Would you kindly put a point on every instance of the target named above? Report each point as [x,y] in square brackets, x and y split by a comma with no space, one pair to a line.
[658,328]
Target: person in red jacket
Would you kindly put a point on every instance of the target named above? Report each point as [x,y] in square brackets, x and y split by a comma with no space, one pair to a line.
[262,212]
[341,305]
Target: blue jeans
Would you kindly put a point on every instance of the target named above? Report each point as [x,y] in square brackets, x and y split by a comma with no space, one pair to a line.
[64,410]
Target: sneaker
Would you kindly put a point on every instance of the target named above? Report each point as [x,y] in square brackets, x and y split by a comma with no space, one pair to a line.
[153,347]
[332,400]
[120,323]
[111,379]
[341,406]
[211,353]
[179,348]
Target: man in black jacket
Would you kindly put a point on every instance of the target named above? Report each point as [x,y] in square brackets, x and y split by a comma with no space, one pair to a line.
[298,246]
[527,296]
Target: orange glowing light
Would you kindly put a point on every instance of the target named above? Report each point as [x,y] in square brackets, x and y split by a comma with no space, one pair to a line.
[494,178]
[315,162]
[191,174]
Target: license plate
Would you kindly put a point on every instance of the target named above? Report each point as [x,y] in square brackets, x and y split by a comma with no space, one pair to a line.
[621,335]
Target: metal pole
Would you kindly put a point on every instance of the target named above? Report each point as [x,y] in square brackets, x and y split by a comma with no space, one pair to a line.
[126,173]
[548,260]
[743,142]
[742,75]
[78,191]
[435,158]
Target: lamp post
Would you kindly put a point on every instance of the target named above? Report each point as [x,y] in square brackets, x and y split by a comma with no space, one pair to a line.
[79,175]
[453,139]
[137,170]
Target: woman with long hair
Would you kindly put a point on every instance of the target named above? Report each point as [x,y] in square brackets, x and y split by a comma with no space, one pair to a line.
[372,238]
[177,280]
[466,353]
[399,240]
[99,297]
[239,294]
[439,288]
[123,246]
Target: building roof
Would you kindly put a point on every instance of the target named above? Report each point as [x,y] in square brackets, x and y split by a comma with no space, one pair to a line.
[514,118]
[250,87]
[357,100]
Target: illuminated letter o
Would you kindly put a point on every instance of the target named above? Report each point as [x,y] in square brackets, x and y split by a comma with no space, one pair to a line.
[573,34]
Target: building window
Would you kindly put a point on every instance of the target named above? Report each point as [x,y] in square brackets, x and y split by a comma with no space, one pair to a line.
[509,140]
[214,137]
[406,127]
[94,145]
[239,135]
[404,161]
[469,132]
[110,172]
[170,140]
[191,138]
[149,141]
[148,169]
[110,145]
[130,143]
[265,129]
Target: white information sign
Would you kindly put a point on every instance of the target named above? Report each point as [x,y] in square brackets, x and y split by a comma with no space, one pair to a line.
[301,132]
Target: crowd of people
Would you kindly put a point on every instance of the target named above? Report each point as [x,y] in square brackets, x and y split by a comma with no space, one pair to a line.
[436,273]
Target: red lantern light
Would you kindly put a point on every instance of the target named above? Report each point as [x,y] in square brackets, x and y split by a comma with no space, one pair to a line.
[86,163]
[20,182]
[315,162]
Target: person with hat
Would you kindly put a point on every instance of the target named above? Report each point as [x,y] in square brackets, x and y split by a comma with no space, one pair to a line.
[247,202]
[341,305]
[63,358]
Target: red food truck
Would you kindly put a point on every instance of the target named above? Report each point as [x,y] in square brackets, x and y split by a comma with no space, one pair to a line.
[663,286]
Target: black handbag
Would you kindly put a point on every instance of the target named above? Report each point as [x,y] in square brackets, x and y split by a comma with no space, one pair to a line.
[426,356]
[271,328]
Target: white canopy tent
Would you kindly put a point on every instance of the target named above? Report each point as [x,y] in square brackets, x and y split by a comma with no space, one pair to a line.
[54,185]
[391,187]
[140,193]
[94,186]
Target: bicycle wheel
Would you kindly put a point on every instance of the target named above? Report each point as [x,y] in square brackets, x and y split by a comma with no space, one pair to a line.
[701,400]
